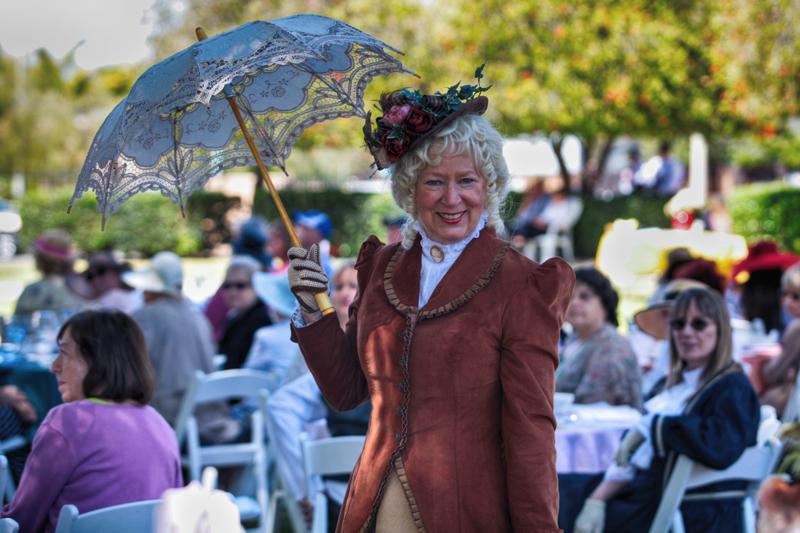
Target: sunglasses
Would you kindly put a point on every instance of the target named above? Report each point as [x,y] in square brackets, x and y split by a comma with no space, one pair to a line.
[791,294]
[238,285]
[697,324]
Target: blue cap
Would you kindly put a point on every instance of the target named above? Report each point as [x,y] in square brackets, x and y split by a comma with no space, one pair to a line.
[316,220]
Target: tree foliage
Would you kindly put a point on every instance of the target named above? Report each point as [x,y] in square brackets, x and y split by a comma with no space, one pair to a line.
[49,112]
[653,68]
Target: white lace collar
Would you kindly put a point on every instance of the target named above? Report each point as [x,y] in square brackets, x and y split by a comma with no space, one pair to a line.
[452,250]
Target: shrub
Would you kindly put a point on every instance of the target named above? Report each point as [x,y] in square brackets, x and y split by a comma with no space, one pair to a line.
[146,224]
[355,216]
[597,213]
[767,211]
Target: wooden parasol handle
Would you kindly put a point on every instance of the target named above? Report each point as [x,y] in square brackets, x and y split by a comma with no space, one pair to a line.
[322,299]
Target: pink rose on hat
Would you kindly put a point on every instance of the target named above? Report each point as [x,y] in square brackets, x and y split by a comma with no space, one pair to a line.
[396,115]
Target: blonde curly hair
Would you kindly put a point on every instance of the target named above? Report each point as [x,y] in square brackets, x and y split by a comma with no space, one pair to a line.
[469,133]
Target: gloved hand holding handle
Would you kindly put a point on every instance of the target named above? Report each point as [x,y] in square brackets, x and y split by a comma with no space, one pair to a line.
[307,277]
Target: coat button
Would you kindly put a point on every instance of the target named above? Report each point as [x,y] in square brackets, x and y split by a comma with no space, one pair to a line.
[399,411]
[397,436]
[402,387]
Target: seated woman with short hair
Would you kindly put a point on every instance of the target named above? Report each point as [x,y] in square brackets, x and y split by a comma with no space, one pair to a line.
[104,446]
[597,363]
[708,412]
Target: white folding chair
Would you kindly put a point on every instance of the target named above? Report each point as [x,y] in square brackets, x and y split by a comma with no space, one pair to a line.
[557,237]
[754,465]
[3,478]
[331,456]
[136,517]
[8,525]
[279,492]
[792,410]
[8,486]
[219,387]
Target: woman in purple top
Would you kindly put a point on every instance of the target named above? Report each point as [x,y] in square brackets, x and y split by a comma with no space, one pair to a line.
[104,446]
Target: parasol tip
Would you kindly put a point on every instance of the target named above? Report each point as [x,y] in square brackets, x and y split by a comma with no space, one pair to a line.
[103,224]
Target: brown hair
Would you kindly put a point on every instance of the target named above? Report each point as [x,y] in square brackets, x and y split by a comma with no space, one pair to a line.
[115,351]
[711,305]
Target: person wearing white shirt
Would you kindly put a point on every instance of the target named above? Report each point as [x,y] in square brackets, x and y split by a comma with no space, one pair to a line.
[708,412]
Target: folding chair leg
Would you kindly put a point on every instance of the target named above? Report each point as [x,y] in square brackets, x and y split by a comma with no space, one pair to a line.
[749,515]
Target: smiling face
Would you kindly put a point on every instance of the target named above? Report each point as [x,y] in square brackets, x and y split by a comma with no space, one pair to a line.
[695,337]
[450,198]
[70,369]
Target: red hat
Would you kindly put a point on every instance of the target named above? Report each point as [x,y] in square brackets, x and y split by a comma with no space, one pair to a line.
[764,255]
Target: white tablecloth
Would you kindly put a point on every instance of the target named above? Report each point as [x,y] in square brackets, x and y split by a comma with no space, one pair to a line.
[588,435]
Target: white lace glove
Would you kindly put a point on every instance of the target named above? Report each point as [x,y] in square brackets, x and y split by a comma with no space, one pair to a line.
[628,446]
[306,276]
[592,517]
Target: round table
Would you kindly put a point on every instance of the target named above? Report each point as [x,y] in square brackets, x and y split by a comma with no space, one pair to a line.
[588,435]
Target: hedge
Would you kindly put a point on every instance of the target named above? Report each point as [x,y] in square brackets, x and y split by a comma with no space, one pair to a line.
[597,213]
[355,216]
[767,211]
[145,224]
[148,222]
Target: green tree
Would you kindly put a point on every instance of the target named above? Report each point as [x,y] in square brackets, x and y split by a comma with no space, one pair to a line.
[658,69]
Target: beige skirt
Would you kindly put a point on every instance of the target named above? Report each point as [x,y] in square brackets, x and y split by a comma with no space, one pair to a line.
[394,513]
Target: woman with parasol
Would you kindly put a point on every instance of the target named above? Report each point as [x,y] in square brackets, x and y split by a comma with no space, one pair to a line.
[453,336]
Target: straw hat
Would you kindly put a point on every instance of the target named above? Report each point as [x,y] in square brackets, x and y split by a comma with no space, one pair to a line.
[654,320]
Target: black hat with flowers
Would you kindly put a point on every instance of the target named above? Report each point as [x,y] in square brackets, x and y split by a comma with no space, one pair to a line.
[409,117]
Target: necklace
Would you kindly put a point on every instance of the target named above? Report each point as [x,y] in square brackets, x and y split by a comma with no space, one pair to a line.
[437,254]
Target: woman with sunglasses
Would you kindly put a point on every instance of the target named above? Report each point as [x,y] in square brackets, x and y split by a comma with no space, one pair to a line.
[708,412]
[780,373]
[246,312]
[597,363]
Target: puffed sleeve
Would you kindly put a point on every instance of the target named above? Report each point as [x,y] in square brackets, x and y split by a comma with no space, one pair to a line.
[47,470]
[332,354]
[717,434]
[532,320]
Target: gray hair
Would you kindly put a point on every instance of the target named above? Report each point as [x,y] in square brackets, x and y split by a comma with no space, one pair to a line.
[469,133]
[791,278]
[243,263]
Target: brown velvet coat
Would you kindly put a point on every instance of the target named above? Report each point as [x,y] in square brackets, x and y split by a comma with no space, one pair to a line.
[462,391]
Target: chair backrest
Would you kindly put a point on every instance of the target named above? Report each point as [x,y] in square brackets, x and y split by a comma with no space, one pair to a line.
[331,456]
[134,517]
[222,385]
[3,477]
[7,486]
[8,525]
[754,465]
[792,410]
